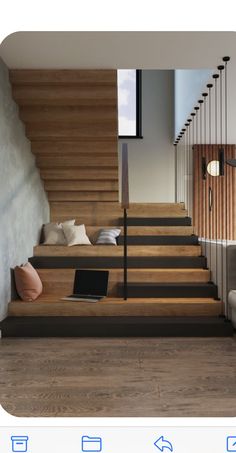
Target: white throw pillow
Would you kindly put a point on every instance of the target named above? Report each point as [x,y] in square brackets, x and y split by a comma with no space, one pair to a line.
[54,234]
[76,235]
[108,236]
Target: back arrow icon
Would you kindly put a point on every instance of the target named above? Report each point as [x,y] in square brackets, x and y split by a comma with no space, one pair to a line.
[163,444]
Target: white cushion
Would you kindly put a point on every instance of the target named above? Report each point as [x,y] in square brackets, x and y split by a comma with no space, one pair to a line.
[54,234]
[76,235]
[108,236]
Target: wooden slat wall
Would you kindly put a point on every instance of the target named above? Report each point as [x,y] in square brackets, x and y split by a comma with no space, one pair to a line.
[71,119]
[220,223]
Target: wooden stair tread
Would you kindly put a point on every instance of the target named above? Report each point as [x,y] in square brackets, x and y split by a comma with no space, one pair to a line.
[55,298]
[108,212]
[52,305]
[146,230]
[187,271]
[162,275]
[106,250]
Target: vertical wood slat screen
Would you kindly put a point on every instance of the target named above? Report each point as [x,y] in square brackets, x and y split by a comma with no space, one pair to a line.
[71,119]
[220,222]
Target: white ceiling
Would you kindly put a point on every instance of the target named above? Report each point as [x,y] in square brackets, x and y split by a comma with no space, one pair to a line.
[145,50]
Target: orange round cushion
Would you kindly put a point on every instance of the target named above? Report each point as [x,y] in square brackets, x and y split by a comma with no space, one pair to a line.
[28,283]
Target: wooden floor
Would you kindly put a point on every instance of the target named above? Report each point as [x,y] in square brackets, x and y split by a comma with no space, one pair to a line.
[118,377]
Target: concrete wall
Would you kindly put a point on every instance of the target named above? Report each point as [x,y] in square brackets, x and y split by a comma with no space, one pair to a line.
[151,159]
[23,202]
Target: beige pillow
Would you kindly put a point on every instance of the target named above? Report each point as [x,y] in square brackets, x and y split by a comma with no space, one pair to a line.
[76,235]
[28,283]
[54,234]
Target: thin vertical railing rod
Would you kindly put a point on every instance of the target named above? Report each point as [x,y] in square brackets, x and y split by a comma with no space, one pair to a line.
[216,76]
[125,295]
[125,206]
[176,174]
[222,187]
[205,178]
[226,59]
[210,214]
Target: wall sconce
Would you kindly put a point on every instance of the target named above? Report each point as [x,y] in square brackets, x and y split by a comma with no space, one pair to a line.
[213,168]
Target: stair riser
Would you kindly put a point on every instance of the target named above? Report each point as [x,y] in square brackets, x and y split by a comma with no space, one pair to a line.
[56,327]
[157,221]
[41,262]
[159,240]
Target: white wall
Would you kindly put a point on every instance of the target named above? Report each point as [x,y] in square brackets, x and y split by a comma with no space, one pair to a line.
[151,159]
[189,85]
[23,202]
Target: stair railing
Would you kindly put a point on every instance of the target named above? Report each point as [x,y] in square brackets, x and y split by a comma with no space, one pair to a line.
[125,206]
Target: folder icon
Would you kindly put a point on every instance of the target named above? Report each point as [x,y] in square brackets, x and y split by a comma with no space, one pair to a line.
[91,444]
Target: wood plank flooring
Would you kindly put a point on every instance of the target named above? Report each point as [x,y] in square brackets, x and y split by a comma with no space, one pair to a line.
[118,377]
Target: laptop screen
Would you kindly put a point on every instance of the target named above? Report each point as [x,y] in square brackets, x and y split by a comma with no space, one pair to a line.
[91,282]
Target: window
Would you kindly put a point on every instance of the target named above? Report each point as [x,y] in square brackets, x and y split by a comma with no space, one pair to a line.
[129,103]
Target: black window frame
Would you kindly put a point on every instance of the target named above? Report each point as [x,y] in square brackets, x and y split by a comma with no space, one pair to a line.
[138,109]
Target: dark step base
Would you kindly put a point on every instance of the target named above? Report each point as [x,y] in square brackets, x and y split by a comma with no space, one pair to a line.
[169,290]
[115,327]
[159,240]
[157,221]
[165,262]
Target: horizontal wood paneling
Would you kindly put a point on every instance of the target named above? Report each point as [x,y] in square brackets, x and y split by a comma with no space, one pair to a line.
[61,281]
[69,130]
[65,95]
[63,77]
[108,213]
[78,173]
[52,305]
[74,185]
[61,147]
[72,114]
[83,196]
[104,250]
[147,230]
[71,119]
[81,160]
[135,209]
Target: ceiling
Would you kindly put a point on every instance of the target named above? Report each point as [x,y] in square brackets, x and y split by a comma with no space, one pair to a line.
[144,50]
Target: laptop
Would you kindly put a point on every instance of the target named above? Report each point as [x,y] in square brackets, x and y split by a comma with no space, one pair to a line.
[89,286]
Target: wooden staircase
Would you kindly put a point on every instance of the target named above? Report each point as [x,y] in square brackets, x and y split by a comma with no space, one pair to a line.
[70,117]
[169,288]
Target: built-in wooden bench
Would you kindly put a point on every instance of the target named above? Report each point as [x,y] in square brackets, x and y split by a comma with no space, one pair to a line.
[92,231]
[61,280]
[52,305]
[109,213]
[113,251]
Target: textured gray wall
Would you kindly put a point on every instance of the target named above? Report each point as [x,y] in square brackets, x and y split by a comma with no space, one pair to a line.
[23,202]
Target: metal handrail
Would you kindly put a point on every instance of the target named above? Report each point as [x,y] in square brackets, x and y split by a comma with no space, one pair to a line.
[125,206]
